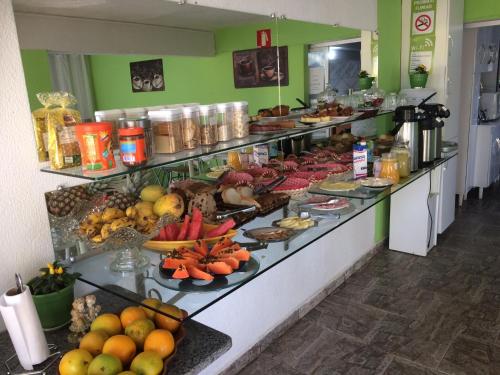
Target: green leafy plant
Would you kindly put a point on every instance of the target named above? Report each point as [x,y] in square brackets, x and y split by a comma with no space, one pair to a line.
[52,279]
[421,69]
[363,74]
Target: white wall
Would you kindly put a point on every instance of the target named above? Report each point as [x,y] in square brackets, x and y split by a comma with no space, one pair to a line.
[24,230]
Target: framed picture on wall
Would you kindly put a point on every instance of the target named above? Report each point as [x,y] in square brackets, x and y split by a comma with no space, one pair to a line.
[260,67]
[147,75]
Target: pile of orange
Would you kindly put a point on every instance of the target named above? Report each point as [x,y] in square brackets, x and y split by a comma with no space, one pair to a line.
[138,340]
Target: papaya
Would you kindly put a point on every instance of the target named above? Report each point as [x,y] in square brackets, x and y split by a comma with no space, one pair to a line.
[201,247]
[226,249]
[174,263]
[241,254]
[188,253]
[196,273]
[221,229]
[181,272]
[220,268]
[221,244]
[232,262]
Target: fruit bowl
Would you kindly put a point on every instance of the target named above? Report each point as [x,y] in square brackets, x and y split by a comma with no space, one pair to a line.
[126,240]
[171,245]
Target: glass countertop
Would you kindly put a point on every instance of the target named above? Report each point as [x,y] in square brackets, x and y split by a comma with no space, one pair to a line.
[95,270]
[169,159]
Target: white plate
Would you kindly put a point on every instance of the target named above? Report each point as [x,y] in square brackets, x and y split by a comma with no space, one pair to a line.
[376,182]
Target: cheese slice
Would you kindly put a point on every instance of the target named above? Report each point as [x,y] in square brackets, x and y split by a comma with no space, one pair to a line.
[338,186]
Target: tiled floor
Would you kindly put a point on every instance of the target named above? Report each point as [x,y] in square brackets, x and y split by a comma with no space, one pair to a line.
[403,314]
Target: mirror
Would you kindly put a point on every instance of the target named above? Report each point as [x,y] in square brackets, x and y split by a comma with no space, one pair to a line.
[316,57]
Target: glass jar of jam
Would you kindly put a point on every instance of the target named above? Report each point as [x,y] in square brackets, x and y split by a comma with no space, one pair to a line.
[132,145]
[390,167]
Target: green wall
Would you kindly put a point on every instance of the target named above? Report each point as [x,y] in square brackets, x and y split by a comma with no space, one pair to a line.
[36,73]
[389,66]
[481,10]
[210,79]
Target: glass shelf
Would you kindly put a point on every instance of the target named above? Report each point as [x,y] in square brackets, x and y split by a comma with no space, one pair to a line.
[165,160]
[96,269]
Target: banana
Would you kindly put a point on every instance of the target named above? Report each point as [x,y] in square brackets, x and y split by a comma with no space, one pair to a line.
[90,230]
[131,212]
[109,214]
[123,222]
[94,218]
[105,231]
[97,239]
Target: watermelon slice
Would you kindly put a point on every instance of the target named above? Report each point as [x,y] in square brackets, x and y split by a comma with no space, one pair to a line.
[221,229]
[184,229]
[196,224]
[171,231]
[181,272]
[196,273]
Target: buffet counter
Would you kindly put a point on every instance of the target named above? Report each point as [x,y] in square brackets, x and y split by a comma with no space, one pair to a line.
[305,269]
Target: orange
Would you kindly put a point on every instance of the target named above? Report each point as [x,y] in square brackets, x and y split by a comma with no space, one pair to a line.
[75,362]
[94,341]
[122,347]
[105,364]
[166,322]
[139,330]
[147,363]
[130,314]
[160,341]
[154,303]
[110,323]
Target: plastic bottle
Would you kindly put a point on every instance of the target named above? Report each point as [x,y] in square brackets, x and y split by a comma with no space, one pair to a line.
[360,160]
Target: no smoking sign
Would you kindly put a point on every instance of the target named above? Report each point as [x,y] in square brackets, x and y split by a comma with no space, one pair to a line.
[423,23]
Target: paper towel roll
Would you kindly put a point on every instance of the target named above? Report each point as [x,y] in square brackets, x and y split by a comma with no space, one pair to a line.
[22,322]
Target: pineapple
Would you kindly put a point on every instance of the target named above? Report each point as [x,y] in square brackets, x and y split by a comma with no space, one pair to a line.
[62,201]
[124,191]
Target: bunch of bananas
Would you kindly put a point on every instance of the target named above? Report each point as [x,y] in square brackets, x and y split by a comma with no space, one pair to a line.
[98,226]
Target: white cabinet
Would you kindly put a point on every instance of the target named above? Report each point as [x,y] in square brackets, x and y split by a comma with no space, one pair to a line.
[447,191]
[487,158]
[423,209]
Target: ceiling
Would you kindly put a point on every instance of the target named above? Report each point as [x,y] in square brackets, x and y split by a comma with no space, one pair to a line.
[146,12]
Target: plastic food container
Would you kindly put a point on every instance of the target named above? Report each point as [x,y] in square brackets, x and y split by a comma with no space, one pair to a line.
[224,121]
[403,157]
[190,127]
[112,115]
[136,112]
[94,139]
[389,168]
[240,120]
[167,130]
[208,125]
[144,123]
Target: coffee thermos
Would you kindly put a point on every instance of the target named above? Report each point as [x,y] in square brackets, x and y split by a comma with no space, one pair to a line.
[420,129]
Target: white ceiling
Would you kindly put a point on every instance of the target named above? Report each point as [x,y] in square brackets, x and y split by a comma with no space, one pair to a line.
[147,12]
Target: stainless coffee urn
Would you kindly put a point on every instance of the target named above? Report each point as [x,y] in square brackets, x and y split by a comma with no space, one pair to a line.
[406,131]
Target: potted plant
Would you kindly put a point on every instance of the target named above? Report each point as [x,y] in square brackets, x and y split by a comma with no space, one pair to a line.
[52,293]
[418,78]
[365,81]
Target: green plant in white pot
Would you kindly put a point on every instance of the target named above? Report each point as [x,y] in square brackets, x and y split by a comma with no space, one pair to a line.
[365,81]
[418,77]
[53,295]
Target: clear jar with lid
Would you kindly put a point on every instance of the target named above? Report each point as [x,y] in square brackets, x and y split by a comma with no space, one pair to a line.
[143,123]
[389,168]
[190,127]
[208,125]
[136,112]
[240,120]
[404,163]
[167,130]
[225,121]
[113,116]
